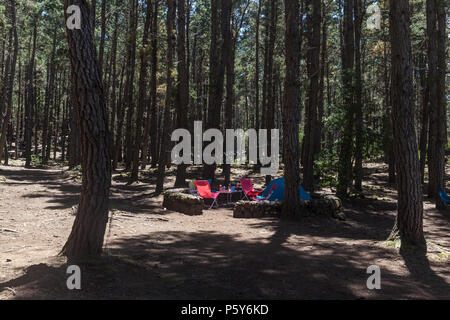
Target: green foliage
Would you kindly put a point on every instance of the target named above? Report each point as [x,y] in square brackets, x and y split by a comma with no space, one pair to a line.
[36,159]
[325,167]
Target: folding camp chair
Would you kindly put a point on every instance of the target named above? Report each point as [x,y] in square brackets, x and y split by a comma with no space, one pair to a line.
[204,190]
[249,191]
[444,196]
[261,198]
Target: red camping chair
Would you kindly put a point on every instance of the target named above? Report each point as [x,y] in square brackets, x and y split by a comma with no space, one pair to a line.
[249,191]
[204,190]
[260,198]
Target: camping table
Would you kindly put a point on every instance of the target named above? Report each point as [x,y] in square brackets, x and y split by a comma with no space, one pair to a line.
[229,195]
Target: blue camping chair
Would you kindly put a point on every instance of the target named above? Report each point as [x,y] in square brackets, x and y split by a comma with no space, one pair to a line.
[444,196]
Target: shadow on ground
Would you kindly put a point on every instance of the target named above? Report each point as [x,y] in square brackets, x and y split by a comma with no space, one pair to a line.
[208,265]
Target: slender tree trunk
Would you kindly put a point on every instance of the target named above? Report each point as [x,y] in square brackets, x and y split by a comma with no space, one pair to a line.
[129,88]
[229,61]
[30,99]
[311,112]
[423,140]
[18,112]
[358,98]
[102,37]
[216,78]
[12,72]
[346,147]
[270,111]
[127,102]
[182,92]
[438,164]
[257,47]
[291,110]
[319,139]
[151,121]
[113,98]
[171,37]
[142,96]
[49,99]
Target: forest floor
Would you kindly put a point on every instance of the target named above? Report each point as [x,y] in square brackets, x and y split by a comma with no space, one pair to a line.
[158,254]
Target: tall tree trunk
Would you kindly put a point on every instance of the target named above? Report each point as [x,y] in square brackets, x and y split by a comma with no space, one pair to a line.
[346,147]
[257,47]
[127,102]
[409,222]
[228,44]
[442,68]
[423,139]
[359,11]
[309,149]
[142,96]
[129,88]
[319,139]
[74,150]
[291,110]
[86,238]
[436,154]
[19,112]
[113,99]
[49,101]
[151,126]
[216,77]
[387,121]
[102,37]
[270,111]
[13,52]
[182,92]
[171,37]
[30,98]
[441,135]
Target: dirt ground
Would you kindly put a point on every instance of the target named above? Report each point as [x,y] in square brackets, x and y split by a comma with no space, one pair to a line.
[153,253]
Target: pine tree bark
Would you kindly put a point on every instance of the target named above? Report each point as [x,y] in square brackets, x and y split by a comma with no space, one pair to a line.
[359,12]
[319,138]
[171,37]
[257,47]
[182,92]
[439,160]
[409,222]
[424,128]
[150,131]
[74,149]
[129,87]
[47,129]
[291,110]
[86,238]
[228,47]
[13,52]
[216,76]
[114,74]
[102,36]
[309,148]
[30,99]
[433,80]
[142,95]
[346,145]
